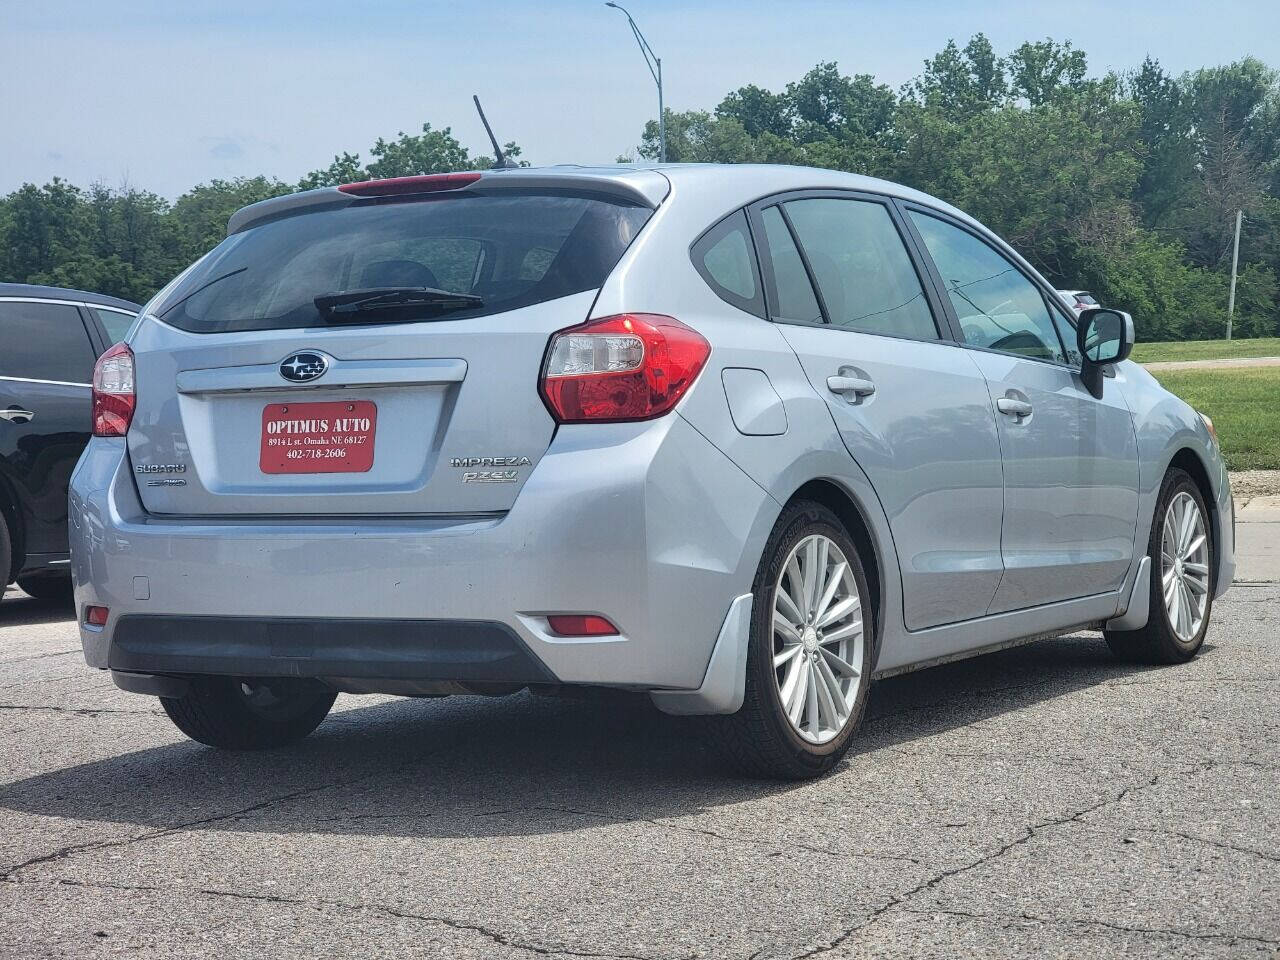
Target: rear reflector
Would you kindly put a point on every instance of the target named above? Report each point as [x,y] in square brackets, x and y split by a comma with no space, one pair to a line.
[114,396]
[399,186]
[579,625]
[96,616]
[634,366]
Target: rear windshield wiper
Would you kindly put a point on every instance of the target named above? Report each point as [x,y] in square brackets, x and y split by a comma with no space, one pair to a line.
[352,303]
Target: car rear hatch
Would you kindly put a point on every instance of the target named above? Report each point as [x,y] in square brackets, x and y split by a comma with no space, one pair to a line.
[410,386]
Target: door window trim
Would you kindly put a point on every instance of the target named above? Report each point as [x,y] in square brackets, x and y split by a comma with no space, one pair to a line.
[1003,250]
[755,211]
[47,383]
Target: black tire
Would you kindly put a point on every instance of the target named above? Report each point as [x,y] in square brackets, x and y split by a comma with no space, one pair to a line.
[1157,642]
[48,586]
[759,740]
[232,713]
[6,555]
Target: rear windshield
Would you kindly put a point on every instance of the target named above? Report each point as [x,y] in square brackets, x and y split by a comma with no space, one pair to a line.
[512,250]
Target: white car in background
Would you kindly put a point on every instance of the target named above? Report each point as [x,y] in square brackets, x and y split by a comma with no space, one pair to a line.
[1079,300]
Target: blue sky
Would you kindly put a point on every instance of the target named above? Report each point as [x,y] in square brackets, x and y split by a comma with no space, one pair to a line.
[165,94]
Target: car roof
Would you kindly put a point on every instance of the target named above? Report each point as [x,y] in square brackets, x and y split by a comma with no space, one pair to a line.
[35,291]
[734,184]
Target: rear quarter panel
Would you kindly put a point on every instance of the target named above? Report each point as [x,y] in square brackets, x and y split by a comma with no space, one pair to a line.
[656,275]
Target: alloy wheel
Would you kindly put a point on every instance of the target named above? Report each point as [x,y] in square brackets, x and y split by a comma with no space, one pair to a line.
[1184,566]
[817,639]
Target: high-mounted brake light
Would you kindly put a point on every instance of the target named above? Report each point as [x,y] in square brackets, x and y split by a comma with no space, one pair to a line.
[634,366]
[400,186]
[114,396]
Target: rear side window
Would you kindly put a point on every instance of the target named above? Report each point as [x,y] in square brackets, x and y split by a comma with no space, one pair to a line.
[862,267]
[44,341]
[792,290]
[115,322]
[725,257]
[512,250]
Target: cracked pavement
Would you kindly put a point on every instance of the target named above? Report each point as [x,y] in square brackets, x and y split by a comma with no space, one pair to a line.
[1042,801]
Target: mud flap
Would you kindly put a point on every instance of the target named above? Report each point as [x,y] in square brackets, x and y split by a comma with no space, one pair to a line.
[724,684]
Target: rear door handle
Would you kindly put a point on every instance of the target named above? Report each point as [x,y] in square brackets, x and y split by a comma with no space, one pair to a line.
[15,415]
[855,386]
[1011,406]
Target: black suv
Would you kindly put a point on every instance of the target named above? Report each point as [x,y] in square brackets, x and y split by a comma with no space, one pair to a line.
[50,339]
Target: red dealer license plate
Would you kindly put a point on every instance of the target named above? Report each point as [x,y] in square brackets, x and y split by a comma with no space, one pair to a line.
[318,437]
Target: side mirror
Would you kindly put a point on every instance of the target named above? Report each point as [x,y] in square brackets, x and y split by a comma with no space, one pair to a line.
[1103,336]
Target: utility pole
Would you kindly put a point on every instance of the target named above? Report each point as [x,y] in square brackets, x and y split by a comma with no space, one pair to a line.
[654,63]
[1235,261]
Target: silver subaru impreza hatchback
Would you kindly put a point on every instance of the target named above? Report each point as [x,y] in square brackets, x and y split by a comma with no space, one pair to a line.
[743,438]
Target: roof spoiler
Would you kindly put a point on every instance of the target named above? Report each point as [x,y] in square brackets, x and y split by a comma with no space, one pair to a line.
[646,188]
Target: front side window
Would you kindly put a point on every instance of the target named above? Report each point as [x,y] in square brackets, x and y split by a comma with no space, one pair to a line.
[862,267]
[510,250]
[44,341]
[997,306]
[727,262]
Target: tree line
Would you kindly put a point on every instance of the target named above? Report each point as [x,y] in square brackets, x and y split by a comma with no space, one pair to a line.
[1126,184]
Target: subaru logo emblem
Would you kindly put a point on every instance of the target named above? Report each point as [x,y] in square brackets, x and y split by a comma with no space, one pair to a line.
[301,367]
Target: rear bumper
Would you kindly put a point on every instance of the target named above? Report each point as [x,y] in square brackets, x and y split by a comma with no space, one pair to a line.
[646,524]
[373,649]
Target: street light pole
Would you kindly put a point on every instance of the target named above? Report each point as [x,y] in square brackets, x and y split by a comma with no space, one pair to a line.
[1235,261]
[654,63]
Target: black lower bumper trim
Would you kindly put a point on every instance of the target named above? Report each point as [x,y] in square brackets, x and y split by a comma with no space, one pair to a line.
[150,684]
[466,650]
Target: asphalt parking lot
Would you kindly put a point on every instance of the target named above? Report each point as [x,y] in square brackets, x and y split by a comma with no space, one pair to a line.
[1041,801]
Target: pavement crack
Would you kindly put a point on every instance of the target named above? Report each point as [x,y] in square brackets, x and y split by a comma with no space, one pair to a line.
[40,656]
[1164,681]
[1073,762]
[1232,938]
[495,936]
[703,831]
[77,711]
[9,873]
[1220,844]
[1029,832]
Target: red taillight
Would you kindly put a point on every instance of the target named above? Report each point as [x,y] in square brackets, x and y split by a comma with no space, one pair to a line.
[399,186]
[96,616]
[113,392]
[634,366]
[581,625]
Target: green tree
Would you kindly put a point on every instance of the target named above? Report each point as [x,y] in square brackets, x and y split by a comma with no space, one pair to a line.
[961,83]
[758,110]
[45,227]
[1040,72]
[345,168]
[1237,140]
[432,151]
[1168,168]
[201,214]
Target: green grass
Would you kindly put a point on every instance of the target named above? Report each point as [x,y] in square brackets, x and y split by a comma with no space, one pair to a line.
[1206,349]
[1244,405]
